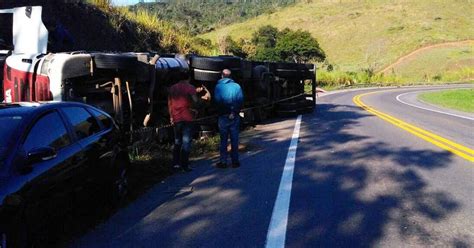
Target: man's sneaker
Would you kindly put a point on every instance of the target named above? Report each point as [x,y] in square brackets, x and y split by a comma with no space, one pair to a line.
[236,165]
[221,165]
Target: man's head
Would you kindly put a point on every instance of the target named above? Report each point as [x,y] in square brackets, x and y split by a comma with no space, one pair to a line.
[226,73]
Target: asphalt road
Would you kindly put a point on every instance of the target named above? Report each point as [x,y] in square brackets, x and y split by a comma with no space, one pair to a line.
[357,180]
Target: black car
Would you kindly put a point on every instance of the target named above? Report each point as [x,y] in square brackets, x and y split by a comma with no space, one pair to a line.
[51,156]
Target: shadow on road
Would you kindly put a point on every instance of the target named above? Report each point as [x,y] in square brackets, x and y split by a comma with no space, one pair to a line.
[361,188]
[349,190]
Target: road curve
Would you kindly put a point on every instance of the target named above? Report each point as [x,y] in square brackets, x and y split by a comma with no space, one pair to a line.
[356,180]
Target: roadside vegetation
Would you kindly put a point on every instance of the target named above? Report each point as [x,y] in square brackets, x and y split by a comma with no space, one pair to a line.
[204,16]
[461,99]
[150,29]
[270,44]
[95,25]
[361,38]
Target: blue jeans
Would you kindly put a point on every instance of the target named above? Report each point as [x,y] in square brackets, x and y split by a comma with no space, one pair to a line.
[229,127]
[183,135]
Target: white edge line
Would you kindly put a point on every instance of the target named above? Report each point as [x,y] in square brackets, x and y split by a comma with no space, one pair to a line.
[432,110]
[277,230]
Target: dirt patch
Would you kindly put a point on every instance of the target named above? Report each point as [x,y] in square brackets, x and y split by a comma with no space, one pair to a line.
[417,51]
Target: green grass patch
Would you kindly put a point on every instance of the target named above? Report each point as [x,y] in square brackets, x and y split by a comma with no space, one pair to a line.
[462,99]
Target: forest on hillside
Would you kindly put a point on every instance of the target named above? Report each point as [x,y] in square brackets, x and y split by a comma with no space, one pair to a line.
[200,16]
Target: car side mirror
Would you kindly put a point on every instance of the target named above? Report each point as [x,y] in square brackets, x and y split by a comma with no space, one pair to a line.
[41,154]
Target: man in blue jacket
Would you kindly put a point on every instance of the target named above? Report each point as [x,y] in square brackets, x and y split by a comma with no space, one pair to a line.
[228,97]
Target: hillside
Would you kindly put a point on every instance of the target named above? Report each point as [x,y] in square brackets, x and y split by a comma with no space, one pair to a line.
[360,35]
[445,61]
[198,16]
[95,26]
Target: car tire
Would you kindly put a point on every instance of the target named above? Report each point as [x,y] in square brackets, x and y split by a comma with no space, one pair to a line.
[207,76]
[118,182]
[115,61]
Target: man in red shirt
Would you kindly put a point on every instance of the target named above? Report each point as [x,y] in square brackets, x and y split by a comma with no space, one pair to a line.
[181,98]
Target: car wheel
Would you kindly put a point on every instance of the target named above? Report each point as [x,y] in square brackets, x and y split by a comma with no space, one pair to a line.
[119,180]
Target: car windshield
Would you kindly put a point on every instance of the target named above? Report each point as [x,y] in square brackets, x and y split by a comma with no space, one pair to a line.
[8,125]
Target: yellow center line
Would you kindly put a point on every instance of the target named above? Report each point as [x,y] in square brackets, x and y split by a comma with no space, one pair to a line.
[435,139]
[417,129]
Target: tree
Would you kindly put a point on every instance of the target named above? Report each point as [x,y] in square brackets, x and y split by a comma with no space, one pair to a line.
[265,37]
[298,46]
[229,46]
[264,41]
[286,45]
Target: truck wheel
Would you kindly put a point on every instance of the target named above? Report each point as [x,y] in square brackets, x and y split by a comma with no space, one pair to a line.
[287,106]
[216,63]
[208,76]
[289,74]
[232,62]
[307,106]
[115,61]
[207,63]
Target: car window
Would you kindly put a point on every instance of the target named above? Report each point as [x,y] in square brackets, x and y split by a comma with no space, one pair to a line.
[104,119]
[50,131]
[84,123]
[8,125]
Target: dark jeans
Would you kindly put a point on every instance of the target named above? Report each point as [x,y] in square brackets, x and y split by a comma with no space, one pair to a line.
[183,135]
[229,127]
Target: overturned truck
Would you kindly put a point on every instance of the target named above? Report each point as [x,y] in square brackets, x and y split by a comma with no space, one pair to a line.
[133,86]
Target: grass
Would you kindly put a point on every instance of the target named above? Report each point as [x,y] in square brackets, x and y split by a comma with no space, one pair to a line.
[449,63]
[359,35]
[149,28]
[462,99]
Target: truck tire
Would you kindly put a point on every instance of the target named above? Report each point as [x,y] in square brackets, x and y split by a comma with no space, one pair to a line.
[287,106]
[205,75]
[207,63]
[293,74]
[216,63]
[287,66]
[115,61]
[232,62]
